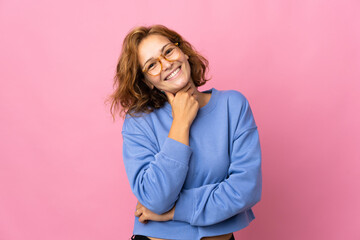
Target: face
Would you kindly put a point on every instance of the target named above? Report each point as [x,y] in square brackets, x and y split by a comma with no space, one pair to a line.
[150,47]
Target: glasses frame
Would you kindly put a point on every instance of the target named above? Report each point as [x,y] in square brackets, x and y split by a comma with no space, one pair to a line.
[158,59]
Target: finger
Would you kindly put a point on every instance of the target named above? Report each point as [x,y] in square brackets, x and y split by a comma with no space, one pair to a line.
[137,213]
[170,96]
[142,219]
[191,93]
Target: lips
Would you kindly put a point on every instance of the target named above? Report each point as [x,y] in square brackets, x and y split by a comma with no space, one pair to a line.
[171,73]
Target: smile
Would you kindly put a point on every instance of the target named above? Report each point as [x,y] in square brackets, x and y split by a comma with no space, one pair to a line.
[173,74]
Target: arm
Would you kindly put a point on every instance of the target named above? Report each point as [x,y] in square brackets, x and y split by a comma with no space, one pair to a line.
[145,214]
[213,203]
[156,176]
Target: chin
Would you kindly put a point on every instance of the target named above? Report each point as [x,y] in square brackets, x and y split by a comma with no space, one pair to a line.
[179,86]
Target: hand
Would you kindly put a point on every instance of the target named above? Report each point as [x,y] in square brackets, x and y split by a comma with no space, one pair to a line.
[145,214]
[184,104]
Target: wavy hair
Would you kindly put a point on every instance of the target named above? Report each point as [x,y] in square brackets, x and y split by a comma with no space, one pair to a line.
[131,94]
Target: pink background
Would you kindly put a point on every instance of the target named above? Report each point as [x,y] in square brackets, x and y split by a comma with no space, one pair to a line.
[297,62]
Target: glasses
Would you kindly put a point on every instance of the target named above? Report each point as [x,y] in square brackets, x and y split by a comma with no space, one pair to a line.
[170,53]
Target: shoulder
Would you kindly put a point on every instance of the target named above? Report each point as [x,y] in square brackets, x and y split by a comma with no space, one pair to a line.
[234,98]
[137,123]
[239,110]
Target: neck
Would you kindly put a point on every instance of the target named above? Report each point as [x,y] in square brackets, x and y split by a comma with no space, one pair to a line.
[203,98]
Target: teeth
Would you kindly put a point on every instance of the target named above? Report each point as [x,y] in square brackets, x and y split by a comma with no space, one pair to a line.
[173,74]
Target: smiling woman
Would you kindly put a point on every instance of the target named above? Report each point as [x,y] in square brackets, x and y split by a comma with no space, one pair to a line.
[171,65]
[192,158]
[139,90]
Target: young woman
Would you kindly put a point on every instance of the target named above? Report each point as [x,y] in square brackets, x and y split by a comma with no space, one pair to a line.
[192,158]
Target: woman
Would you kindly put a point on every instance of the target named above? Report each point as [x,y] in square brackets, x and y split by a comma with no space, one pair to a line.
[192,158]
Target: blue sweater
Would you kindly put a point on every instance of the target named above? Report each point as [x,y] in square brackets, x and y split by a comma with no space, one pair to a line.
[214,182]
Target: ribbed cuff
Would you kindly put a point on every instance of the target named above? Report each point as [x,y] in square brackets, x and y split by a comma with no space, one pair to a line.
[176,150]
[184,208]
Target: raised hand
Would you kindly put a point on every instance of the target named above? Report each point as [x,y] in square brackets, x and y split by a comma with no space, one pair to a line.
[184,104]
[145,214]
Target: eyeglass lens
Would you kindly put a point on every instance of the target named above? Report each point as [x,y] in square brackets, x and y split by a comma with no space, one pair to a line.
[171,53]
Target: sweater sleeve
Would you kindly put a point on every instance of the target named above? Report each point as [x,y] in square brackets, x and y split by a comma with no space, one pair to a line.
[214,203]
[156,176]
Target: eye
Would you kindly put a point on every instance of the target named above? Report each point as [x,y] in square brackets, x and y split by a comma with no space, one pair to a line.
[169,51]
[151,65]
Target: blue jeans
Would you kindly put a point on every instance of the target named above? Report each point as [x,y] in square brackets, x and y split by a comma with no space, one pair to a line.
[141,237]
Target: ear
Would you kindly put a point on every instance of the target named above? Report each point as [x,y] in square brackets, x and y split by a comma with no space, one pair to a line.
[187,57]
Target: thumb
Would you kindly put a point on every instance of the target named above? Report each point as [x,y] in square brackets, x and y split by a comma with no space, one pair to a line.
[169,95]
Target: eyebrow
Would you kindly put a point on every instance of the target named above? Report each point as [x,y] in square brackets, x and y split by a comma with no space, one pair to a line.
[162,49]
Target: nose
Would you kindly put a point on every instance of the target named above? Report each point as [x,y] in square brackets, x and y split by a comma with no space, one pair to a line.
[165,63]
